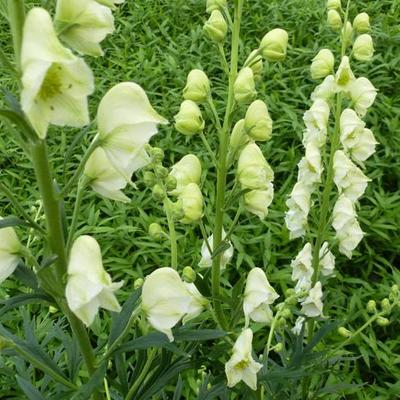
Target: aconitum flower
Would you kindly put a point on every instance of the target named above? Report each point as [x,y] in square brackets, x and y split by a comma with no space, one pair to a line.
[255,62]
[206,260]
[258,296]
[189,120]
[241,366]
[334,20]
[258,201]
[316,119]
[273,45]
[186,170]
[9,252]
[363,48]
[326,260]
[312,305]
[322,64]
[110,3]
[216,27]
[84,24]
[344,76]
[257,122]
[55,83]
[197,86]
[191,201]
[302,264]
[244,86]
[362,93]
[361,23]
[310,167]
[325,90]
[89,286]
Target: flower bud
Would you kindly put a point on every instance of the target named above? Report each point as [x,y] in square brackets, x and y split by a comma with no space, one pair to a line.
[258,123]
[274,44]
[186,170]
[188,275]
[371,306]
[138,283]
[334,20]
[215,5]
[381,321]
[347,33]
[395,290]
[255,62]
[216,27]
[158,193]
[192,203]
[258,201]
[361,23]
[363,48]
[278,347]
[197,86]
[322,64]
[244,87]
[189,120]
[161,172]
[170,183]
[342,331]
[333,5]
[156,154]
[286,313]
[385,305]
[149,178]
[155,231]
[238,136]
[177,210]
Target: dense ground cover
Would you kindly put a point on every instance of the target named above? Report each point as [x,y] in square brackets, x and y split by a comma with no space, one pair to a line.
[156,44]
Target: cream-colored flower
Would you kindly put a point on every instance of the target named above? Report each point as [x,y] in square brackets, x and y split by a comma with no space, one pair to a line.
[344,76]
[197,86]
[325,90]
[191,200]
[326,260]
[310,167]
[241,366]
[84,24]
[238,136]
[333,4]
[215,5]
[206,260]
[298,326]
[347,33]
[257,122]
[55,83]
[244,86]
[334,20]
[363,47]
[316,119]
[348,178]
[216,27]
[322,64]
[273,45]
[189,119]
[126,122]
[186,170]
[362,94]
[312,306]
[89,286]
[258,296]
[258,201]
[361,23]
[302,264]
[9,252]
[110,3]
[255,62]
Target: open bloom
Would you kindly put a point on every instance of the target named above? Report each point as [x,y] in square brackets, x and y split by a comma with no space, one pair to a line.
[84,24]
[89,286]
[9,249]
[126,122]
[258,296]
[55,83]
[302,264]
[312,305]
[257,202]
[166,299]
[186,170]
[362,93]
[316,118]
[241,366]
[344,76]
[325,90]
[310,167]
[206,260]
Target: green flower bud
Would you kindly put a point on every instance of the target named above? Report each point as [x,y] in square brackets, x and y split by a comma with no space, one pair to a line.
[138,283]
[333,5]
[258,201]
[192,203]
[161,172]
[371,307]
[238,136]
[244,86]
[394,293]
[197,86]
[381,321]
[361,23]
[274,45]
[255,62]
[363,48]
[149,178]
[155,231]
[385,305]
[177,210]
[281,322]
[52,310]
[170,183]
[291,300]
[342,331]
[290,292]
[278,347]
[258,123]
[188,275]
[189,120]
[156,154]
[286,313]
[322,64]
[216,27]
[158,193]
[347,33]
[215,5]
[186,170]
[334,20]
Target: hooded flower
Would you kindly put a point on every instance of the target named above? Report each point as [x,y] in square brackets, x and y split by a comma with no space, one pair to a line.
[186,170]
[9,249]
[310,168]
[326,260]
[258,123]
[206,260]
[55,83]
[241,366]
[191,201]
[258,296]
[89,286]
[312,306]
[316,121]
[258,201]
[166,300]
[325,90]
[322,64]
[362,93]
[344,76]
[302,264]
[84,24]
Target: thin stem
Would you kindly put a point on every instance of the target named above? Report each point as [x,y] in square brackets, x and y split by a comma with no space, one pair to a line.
[205,237]
[214,111]
[16,16]
[172,233]
[209,149]
[224,62]
[234,222]
[271,334]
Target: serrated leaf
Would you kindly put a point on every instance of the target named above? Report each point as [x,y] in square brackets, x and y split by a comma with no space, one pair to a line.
[30,391]
[26,276]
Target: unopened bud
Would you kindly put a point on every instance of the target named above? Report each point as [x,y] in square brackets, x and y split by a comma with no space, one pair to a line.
[156,154]
[385,305]
[177,210]
[342,331]
[361,23]
[322,64]
[149,178]
[363,48]
[278,347]
[244,86]
[186,170]
[161,172]
[192,203]
[291,300]
[215,5]
[189,120]
[238,136]
[138,283]
[52,310]
[281,322]
[274,45]
[188,275]
[334,20]
[170,183]
[197,86]
[158,193]
[155,231]
[347,33]
[394,293]
[381,321]
[371,306]
[286,313]
[258,123]
[216,27]
[290,292]
[255,62]
[333,5]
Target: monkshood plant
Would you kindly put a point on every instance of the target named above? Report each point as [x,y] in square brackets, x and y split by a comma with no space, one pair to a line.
[185,331]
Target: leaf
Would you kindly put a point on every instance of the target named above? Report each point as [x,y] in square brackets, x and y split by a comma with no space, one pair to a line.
[224,245]
[22,299]
[85,391]
[178,389]
[26,276]
[192,335]
[339,388]
[12,221]
[30,391]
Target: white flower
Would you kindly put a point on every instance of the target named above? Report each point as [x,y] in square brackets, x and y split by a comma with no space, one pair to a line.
[322,64]
[55,83]
[310,168]
[347,228]
[89,287]
[9,249]
[316,121]
[298,325]
[363,48]
[312,305]
[258,201]
[191,200]
[241,366]
[362,93]
[206,260]
[344,76]
[186,170]
[166,300]
[104,178]
[245,87]
[84,24]
[357,140]
[325,90]
[302,264]
[348,178]
[303,285]
[126,122]
[326,260]
[257,122]
[258,296]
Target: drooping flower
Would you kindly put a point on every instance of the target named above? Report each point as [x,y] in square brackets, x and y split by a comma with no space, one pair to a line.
[310,167]
[255,62]
[89,286]
[84,24]
[363,48]
[55,83]
[312,305]
[362,93]
[186,170]
[322,64]
[316,120]
[257,202]
[191,201]
[257,122]
[197,86]
[326,260]
[206,260]
[9,252]
[344,76]
[273,45]
[258,296]
[216,27]
[302,264]
[361,23]
[298,326]
[238,136]
[244,86]
[189,120]
[334,20]
[325,90]
[241,366]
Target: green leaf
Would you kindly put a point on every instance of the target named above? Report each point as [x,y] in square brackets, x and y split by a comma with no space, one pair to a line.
[12,221]
[223,246]
[22,299]
[30,391]
[193,335]
[26,276]
[95,381]
[178,389]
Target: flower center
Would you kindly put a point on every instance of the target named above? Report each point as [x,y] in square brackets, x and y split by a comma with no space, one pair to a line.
[243,364]
[52,83]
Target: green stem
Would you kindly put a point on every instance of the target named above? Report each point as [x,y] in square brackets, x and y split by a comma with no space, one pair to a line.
[271,334]
[209,149]
[172,234]
[224,62]
[214,111]
[16,16]
[205,237]
[222,169]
